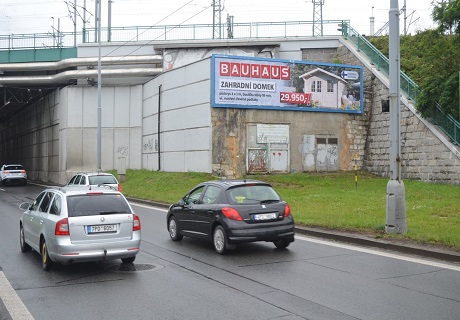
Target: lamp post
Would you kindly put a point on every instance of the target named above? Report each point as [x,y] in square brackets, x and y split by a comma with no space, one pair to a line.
[396,198]
[99,80]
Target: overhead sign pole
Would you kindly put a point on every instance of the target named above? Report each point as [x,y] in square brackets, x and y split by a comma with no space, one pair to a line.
[396,198]
[99,88]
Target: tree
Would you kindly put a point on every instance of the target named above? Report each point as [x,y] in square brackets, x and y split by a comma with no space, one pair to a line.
[447,15]
[431,58]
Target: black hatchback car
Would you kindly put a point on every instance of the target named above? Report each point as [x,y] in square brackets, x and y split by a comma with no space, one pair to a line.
[229,212]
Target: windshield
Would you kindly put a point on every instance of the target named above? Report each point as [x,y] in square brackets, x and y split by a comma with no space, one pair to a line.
[90,205]
[14,168]
[103,179]
[251,194]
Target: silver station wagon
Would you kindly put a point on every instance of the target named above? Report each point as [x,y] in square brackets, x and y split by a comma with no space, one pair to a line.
[69,224]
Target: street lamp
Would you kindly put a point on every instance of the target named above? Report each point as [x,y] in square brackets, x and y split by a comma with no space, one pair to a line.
[396,198]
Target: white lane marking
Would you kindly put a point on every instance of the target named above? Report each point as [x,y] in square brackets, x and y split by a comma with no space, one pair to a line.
[12,302]
[148,206]
[380,253]
[352,247]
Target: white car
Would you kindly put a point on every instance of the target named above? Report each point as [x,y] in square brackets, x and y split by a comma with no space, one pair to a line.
[70,224]
[95,179]
[13,173]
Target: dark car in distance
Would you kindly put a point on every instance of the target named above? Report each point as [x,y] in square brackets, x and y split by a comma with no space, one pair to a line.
[230,212]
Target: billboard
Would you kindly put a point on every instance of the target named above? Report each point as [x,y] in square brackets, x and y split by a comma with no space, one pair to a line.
[262,83]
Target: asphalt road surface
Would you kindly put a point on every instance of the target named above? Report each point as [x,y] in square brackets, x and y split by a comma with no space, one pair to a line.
[311,279]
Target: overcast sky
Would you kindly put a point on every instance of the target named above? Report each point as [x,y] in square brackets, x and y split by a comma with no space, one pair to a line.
[36,16]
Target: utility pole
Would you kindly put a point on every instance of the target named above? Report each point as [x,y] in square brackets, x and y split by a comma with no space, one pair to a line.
[216,19]
[109,29]
[74,23]
[99,87]
[396,198]
[372,21]
[317,18]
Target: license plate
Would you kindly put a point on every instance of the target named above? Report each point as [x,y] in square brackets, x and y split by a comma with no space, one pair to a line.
[102,228]
[265,216]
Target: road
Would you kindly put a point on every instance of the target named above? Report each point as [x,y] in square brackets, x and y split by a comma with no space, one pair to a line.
[312,279]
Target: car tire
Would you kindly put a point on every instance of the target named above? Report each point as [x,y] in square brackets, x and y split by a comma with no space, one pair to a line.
[219,240]
[281,243]
[128,260]
[174,230]
[24,246]
[47,263]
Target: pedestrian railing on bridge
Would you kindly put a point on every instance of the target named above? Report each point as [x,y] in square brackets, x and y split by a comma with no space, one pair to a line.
[168,32]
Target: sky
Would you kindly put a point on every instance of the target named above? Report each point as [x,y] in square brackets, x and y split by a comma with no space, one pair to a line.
[40,16]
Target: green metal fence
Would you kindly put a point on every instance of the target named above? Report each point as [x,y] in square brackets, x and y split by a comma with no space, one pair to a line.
[378,59]
[446,122]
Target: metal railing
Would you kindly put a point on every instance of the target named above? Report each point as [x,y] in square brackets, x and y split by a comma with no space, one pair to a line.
[378,59]
[447,123]
[167,32]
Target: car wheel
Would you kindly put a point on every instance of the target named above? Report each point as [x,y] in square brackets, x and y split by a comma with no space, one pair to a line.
[47,263]
[282,243]
[128,260]
[173,230]
[24,246]
[219,240]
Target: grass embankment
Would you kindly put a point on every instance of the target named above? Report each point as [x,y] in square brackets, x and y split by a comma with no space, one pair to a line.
[332,200]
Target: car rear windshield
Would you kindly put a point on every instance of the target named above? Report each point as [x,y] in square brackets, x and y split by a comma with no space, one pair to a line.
[100,204]
[14,168]
[103,179]
[251,194]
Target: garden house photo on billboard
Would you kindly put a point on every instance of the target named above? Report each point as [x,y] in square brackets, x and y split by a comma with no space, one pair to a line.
[261,83]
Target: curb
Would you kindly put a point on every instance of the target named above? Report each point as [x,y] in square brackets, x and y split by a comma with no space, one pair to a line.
[408,247]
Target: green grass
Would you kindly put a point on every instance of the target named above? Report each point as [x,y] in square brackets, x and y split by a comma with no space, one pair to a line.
[332,200]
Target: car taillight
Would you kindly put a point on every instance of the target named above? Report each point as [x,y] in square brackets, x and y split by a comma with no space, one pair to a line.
[287,210]
[23,171]
[62,227]
[136,223]
[6,171]
[120,188]
[231,213]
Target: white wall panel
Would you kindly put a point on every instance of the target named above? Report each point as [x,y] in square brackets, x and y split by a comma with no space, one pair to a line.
[74,108]
[122,107]
[107,107]
[187,117]
[198,161]
[173,161]
[88,109]
[135,146]
[150,125]
[107,150]
[135,103]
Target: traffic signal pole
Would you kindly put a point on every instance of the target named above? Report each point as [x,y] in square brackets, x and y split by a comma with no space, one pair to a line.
[396,198]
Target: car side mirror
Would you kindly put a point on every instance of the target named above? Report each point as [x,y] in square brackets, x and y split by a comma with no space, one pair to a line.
[24,206]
